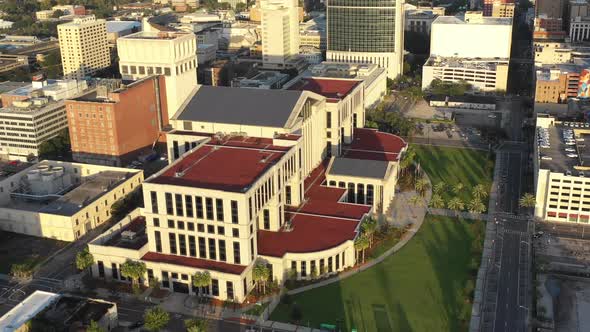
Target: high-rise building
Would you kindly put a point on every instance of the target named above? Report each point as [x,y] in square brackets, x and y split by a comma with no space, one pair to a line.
[280,32]
[83,45]
[550,8]
[115,123]
[488,6]
[500,9]
[367,32]
[168,53]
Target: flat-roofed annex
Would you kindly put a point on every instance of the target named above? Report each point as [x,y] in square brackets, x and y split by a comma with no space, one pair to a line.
[231,165]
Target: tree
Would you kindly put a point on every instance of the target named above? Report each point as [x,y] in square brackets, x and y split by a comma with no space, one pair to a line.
[57,13]
[94,327]
[51,64]
[200,280]
[527,200]
[155,319]
[458,188]
[313,274]
[407,159]
[133,270]
[439,188]
[415,200]
[361,244]
[196,325]
[476,206]
[240,7]
[480,191]
[437,201]
[369,227]
[421,186]
[456,204]
[260,274]
[84,259]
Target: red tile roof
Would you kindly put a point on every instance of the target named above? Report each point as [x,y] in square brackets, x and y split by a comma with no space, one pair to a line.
[193,262]
[333,89]
[308,234]
[288,137]
[226,167]
[374,145]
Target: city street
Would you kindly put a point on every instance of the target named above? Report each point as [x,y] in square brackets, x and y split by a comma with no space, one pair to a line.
[506,305]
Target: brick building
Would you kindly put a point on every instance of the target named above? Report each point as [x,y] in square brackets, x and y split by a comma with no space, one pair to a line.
[115,123]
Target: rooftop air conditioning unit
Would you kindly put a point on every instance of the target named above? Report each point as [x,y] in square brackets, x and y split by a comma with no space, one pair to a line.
[128,235]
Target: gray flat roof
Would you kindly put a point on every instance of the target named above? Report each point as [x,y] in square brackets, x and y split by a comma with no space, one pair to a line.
[375,169]
[266,108]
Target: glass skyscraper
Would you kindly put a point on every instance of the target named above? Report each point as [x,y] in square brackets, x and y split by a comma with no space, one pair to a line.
[366,31]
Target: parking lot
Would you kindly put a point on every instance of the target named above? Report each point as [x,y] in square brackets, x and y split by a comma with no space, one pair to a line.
[448,131]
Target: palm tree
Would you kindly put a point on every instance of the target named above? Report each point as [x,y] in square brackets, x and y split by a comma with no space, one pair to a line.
[369,227]
[456,204]
[437,201]
[196,325]
[361,244]
[260,274]
[133,270]
[407,160]
[527,200]
[421,186]
[480,191]
[415,200]
[476,206]
[200,280]
[458,187]
[439,188]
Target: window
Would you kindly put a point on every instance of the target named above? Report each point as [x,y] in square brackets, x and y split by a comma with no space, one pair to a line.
[328,119]
[114,271]
[188,200]
[210,229]
[351,198]
[180,224]
[234,212]
[178,201]
[337,262]
[199,203]
[182,244]
[212,249]
[170,223]
[237,259]
[200,228]
[219,209]
[100,269]
[288,195]
[312,268]
[235,232]
[154,199]
[209,207]
[190,226]
[370,190]
[214,287]
[172,240]
[169,208]
[222,256]
[229,285]
[220,230]
[322,267]
[303,268]
[202,248]
[156,222]
[158,239]
[266,214]
[329,264]
[192,246]
[293,266]
[360,194]
[165,280]
[252,248]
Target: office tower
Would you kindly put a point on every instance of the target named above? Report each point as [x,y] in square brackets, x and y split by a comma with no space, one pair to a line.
[83,45]
[362,32]
[280,32]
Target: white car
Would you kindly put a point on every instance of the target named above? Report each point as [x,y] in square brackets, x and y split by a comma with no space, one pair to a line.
[570,150]
[572,155]
[546,158]
[570,143]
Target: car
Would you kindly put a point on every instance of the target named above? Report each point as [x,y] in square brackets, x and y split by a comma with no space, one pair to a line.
[570,143]
[572,155]
[546,158]
[570,150]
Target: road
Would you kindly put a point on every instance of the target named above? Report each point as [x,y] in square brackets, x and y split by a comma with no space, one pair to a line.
[572,231]
[508,280]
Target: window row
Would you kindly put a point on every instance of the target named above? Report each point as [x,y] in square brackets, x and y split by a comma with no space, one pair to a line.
[195,206]
[201,247]
[309,268]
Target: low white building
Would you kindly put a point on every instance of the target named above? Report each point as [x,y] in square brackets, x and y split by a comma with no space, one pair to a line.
[483,74]
[5,24]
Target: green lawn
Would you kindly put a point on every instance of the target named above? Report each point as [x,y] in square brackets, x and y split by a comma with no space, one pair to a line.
[454,165]
[417,289]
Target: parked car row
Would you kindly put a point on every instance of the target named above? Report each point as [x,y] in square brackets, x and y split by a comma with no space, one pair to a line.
[543,137]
